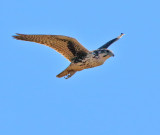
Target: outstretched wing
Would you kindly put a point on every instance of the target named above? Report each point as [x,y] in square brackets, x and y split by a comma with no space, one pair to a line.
[111,42]
[67,46]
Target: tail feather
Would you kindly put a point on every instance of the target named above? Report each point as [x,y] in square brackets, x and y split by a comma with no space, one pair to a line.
[67,74]
[63,73]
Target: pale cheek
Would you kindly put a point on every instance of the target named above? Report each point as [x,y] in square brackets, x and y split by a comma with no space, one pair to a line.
[107,57]
[104,55]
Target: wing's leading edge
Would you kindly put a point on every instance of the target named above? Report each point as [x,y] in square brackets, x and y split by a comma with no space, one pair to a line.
[111,42]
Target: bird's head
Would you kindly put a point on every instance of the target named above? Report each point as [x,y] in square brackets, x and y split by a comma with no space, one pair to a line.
[106,52]
[110,53]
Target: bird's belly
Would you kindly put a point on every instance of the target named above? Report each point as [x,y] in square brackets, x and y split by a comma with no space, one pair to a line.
[87,63]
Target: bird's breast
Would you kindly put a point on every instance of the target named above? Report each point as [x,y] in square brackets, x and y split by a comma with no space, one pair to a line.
[89,61]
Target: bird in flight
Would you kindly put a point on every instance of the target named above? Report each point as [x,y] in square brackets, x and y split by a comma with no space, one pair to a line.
[71,49]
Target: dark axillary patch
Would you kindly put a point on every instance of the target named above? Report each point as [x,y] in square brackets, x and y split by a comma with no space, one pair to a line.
[79,55]
[71,48]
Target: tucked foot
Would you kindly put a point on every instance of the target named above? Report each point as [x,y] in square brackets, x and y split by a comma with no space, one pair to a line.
[70,74]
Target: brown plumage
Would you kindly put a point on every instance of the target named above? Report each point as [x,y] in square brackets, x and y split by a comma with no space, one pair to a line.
[67,46]
[71,49]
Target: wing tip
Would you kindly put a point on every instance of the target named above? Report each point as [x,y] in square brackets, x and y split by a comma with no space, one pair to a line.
[122,34]
[18,36]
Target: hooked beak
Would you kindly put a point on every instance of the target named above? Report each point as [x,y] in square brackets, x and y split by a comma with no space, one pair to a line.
[111,54]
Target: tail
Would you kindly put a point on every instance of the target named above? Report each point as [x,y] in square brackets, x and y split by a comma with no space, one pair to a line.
[67,73]
[63,73]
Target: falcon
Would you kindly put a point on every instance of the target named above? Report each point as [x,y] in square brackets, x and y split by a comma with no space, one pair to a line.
[71,49]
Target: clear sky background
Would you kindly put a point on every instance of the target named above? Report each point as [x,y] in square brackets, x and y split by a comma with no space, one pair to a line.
[121,97]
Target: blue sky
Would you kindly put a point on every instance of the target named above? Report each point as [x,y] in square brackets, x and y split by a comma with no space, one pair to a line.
[119,98]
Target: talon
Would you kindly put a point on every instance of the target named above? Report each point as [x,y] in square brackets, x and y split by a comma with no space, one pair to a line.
[70,74]
[67,76]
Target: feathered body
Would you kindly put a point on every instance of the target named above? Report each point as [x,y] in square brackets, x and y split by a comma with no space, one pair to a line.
[70,48]
[92,59]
